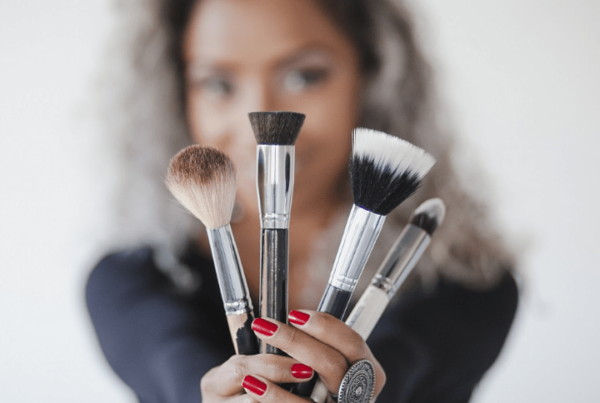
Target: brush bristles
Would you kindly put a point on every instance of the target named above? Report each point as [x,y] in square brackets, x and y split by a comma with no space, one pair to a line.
[385,170]
[276,128]
[429,215]
[202,179]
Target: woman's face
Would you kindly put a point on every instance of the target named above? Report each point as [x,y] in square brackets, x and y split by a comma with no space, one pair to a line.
[273,55]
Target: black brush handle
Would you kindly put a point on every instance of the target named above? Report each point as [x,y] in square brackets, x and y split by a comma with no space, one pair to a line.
[335,301]
[244,338]
[274,278]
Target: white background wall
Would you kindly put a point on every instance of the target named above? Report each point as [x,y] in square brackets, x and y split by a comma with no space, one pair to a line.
[520,82]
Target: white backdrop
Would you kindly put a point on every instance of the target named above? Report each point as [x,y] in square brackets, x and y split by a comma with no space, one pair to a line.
[519,81]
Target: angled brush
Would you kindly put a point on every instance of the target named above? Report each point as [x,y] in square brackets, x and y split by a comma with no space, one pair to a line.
[202,179]
[276,133]
[399,262]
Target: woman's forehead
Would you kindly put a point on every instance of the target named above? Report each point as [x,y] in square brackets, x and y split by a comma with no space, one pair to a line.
[246,29]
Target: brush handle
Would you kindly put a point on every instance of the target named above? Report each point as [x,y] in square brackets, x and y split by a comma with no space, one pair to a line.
[361,232]
[334,301]
[368,310]
[234,289]
[399,262]
[244,339]
[274,279]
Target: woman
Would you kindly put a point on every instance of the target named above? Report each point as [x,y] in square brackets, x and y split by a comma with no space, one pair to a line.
[344,64]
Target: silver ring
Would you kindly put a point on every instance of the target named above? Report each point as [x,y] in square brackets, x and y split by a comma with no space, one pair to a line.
[358,384]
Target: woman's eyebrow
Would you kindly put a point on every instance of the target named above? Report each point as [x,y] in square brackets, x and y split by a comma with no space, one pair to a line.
[202,67]
[308,52]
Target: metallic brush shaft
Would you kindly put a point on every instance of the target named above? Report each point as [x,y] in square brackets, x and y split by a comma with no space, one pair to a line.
[399,262]
[401,259]
[232,282]
[360,234]
[275,184]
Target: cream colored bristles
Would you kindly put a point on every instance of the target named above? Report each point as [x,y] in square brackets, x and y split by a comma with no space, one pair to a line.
[202,179]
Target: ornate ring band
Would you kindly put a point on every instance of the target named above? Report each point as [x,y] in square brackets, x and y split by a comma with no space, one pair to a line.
[358,384]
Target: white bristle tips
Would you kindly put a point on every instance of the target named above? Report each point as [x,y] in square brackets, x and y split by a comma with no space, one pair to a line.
[389,151]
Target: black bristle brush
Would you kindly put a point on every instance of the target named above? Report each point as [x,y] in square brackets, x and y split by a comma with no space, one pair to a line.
[203,180]
[276,133]
[384,171]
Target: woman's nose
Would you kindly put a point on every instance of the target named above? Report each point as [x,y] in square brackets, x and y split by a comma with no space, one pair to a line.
[258,98]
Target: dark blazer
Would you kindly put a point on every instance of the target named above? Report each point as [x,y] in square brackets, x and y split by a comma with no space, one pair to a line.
[434,346]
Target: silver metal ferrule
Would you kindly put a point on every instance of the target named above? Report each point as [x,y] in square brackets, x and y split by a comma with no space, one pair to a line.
[230,274]
[361,232]
[401,259]
[275,184]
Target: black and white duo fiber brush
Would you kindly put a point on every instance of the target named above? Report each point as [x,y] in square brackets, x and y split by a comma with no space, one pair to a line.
[384,171]
[276,133]
[399,262]
[202,179]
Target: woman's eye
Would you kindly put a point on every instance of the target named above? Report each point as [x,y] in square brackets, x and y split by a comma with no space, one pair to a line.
[299,80]
[218,87]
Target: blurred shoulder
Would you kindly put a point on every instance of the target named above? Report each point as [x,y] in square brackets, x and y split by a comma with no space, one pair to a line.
[128,259]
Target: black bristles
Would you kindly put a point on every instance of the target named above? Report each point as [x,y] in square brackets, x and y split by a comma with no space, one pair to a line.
[276,128]
[429,215]
[380,191]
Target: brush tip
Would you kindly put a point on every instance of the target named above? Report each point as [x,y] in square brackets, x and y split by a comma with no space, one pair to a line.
[276,128]
[429,215]
[385,170]
[202,179]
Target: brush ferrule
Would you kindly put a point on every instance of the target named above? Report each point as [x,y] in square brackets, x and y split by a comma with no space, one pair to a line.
[401,259]
[275,184]
[230,274]
[361,232]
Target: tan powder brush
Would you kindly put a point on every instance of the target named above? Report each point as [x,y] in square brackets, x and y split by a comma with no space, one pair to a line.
[203,180]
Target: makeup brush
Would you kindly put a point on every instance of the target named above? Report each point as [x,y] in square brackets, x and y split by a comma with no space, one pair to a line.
[399,262]
[276,133]
[202,179]
[384,171]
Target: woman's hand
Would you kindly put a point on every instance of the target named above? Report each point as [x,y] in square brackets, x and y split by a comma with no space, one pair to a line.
[315,341]
[226,382]
[318,340]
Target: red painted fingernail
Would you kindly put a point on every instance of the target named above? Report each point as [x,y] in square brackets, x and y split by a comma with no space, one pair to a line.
[254,385]
[264,327]
[301,371]
[298,318]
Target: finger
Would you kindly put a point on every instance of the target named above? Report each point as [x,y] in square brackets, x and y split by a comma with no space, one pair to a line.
[226,380]
[245,398]
[266,391]
[337,334]
[333,332]
[326,360]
